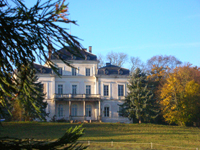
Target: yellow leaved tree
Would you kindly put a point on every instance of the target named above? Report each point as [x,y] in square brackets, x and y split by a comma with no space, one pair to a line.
[180,96]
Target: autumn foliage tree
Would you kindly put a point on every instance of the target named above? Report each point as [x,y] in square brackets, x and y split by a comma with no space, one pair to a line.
[180,96]
[158,68]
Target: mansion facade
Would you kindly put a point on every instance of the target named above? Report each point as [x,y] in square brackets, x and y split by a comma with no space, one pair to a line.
[84,91]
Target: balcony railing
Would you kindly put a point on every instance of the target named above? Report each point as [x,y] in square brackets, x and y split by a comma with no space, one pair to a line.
[76,95]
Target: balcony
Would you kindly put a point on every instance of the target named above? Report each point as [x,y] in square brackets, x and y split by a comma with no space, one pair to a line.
[77,97]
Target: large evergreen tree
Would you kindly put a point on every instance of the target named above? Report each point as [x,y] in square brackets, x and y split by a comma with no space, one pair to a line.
[30,101]
[26,35]
[139,102]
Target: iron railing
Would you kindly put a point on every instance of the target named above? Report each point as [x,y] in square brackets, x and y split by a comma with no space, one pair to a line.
[76,95]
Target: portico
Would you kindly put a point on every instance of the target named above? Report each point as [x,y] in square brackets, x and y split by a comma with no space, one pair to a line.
[78,107]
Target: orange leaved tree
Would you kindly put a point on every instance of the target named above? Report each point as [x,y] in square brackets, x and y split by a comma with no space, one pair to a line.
[180,96]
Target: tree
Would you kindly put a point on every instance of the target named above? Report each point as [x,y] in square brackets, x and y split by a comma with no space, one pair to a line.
[158,68]
[163,61]
[117,59]
[139,102]
[26,35]
[114,58]
[101,62]
[135,62]
[180,96]
[30,100]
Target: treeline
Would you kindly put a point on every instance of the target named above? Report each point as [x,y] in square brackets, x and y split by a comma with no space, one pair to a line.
[164,90]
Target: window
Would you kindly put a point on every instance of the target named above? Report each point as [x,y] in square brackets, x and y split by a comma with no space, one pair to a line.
[88,57]
[74,57]
[87,71]
[120,111]
[74,89]
[120,90]
[74,71]
[60,110]
[60,89]
[88,110]
[60,71]
[106,111]
[105,90]
[88,89]
[106,71]
[74,110]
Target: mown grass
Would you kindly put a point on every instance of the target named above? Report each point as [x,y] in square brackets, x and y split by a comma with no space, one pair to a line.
[188,137]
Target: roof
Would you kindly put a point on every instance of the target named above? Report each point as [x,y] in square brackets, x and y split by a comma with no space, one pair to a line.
[42,69]
[71,54]
[112,70]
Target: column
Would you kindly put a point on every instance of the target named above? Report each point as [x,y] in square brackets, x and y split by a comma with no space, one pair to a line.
[69,110]
[101,84]
[53,110]
[53,86]
[94,89]
[84,110]
[99,110]
[111,94]
[97,87]
[48,94]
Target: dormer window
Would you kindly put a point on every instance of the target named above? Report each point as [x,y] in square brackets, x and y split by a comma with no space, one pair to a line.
[120,72]
[106,71]
[87,57]
[43,70]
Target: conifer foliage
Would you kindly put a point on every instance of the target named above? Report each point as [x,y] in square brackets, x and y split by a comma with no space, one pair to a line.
[66,142]
[139,102]
[26,35]
[30,100]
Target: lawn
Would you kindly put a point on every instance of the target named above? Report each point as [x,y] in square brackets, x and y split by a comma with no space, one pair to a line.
[120,134]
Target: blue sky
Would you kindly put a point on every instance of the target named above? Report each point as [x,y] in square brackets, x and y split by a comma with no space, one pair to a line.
[140,28]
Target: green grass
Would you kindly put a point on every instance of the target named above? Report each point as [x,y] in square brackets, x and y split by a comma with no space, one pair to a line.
[188,137]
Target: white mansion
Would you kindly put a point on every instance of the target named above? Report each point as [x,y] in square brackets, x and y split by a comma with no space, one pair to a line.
[83,92]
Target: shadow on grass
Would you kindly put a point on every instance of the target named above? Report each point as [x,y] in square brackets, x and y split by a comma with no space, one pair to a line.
[100,131]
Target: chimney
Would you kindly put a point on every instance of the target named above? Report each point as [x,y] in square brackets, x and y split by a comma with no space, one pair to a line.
[50,47]
[90,49]
[108,64]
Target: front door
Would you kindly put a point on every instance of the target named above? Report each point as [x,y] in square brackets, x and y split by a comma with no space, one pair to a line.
[88,112]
